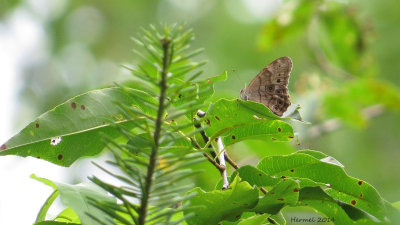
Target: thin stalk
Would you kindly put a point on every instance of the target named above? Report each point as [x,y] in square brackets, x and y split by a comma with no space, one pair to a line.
[157,133]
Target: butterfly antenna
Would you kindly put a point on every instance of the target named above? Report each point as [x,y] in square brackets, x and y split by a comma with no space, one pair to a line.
[237,75]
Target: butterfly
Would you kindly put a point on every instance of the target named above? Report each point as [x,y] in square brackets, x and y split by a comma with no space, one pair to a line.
[269,87]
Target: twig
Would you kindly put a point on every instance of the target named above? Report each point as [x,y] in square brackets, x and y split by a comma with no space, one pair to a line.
[335,123]
[221,157]
[230,161]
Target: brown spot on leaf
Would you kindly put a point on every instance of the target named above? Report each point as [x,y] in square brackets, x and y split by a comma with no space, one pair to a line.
[273,139]
[180,96]
[296,190]
[283,177]
[292,170]
[38,157]
[208,122]
[281,199]
[37,125]
[361,195]
[290,137]
[353,202]
[233,137]
[3,147]
[83,107]
[216,117]
[60,156]
[166,115]
[279,129]
[260,174]
[73,105]
[360,182]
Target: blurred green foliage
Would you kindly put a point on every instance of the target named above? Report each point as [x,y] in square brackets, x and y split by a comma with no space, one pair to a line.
[345,56]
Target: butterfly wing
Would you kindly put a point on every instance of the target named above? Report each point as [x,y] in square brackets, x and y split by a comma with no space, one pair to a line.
[269,87]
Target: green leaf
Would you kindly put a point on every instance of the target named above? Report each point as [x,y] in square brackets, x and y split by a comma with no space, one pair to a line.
[257,219]
[235,120]
[256,177]
[215,206]
[74,129]
[341,186]
[337,212]
[286,192]
[77,197]
[55,223]
[68,215]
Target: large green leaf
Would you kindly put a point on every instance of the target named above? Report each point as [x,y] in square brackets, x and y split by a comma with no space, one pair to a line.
[74,129]
[335,211]
[77,197]
[347,189]
[215,206]
[235,120]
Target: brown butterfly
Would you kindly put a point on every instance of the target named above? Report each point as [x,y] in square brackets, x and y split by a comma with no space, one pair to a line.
[269,87]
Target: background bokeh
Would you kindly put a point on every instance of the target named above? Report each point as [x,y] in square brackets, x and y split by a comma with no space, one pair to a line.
[345,77]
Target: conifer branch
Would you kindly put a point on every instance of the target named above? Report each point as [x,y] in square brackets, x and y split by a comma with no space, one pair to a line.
[157,132]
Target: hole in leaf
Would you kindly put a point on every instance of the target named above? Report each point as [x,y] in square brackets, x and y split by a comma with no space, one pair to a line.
[83,107]
[353,202]
[360,182]
[233,137]
[3,147]
[73,105]
[37,125]
[55,141]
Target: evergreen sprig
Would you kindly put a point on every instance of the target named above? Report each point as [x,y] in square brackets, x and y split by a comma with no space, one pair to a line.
[155,159]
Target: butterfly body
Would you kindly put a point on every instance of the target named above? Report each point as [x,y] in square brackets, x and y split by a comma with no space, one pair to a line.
[269,87]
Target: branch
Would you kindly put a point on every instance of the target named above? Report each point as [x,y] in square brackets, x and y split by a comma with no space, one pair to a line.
[157,132]
[221,157]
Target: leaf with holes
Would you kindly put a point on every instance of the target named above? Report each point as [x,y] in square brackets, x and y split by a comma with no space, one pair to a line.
[342,187]
[215,206]
[77,197]
[74,129]
[236,120]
